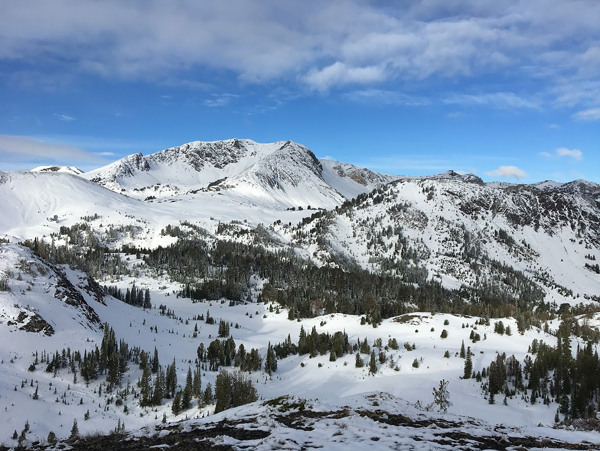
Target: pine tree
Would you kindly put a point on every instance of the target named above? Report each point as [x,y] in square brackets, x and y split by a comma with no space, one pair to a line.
[74,431]
[207,397]
[271,361]
[176,406]
[223,329]
[441,396]
[51,439]
[147,303]
[171,380]
[468,368]
[222,391]
[197,385]
[462,349]
[186,396]
[155,362]
[158,390]
[372,364]
[145,388]
[359,361]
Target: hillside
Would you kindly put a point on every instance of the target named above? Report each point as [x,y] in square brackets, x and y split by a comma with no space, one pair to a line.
[127,291]
[459,231]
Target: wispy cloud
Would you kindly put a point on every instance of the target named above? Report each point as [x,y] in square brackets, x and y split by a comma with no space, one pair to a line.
[219,100]
[573,153]
[25,149]
[64,117]
[498,100]
[384,97]
[340,73]
[576,154]
[592,114]
[507,172]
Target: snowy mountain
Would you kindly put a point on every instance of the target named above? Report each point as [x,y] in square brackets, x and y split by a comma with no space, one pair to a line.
[66,169]
[384,288]
[460,231]
[280,174]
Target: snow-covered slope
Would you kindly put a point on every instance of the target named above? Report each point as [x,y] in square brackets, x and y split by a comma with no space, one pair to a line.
[539,241]
[37,203]
[66,169]
[456,228]
[41,299]
[281,174]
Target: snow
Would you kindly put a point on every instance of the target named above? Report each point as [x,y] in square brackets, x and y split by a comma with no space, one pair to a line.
[262,183]
[66,169]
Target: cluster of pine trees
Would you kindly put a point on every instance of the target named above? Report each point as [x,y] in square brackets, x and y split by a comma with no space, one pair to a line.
[554,374]
[134,296]
[225,269]
[224,353]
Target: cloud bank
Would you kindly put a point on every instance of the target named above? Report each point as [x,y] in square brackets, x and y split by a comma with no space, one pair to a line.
[23,149]
[318,45]
[507,172]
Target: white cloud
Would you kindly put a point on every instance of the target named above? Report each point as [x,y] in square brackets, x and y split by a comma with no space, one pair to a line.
[25,149]
[507,172]
[322,44]
[592,114]
[573,153]
[384,97]
[219,100]
[64,117]
[576,154]
[339,73]
[498,100]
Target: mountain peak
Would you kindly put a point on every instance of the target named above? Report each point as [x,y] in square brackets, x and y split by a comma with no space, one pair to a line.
[64,169]
[285,173]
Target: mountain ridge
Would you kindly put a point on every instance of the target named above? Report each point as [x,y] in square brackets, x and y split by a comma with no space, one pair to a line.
[282,171]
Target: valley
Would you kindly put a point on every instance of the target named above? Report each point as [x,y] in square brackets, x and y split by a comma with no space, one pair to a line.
[260,258]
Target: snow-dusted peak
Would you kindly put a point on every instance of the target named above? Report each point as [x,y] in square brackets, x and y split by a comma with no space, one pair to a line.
[351,180]
[453,175]
[282,174]
[66,169]
[547,185]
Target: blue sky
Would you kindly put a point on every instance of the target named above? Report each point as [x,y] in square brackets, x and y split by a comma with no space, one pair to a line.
[506,90]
